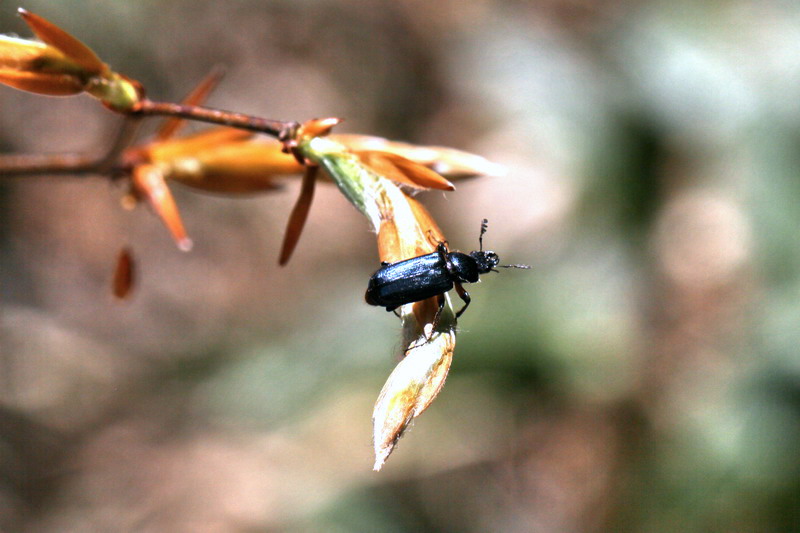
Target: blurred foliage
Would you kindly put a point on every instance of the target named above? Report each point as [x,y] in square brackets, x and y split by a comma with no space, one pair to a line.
[644,377]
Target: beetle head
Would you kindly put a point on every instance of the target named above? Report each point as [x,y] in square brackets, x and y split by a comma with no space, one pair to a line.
[486,260]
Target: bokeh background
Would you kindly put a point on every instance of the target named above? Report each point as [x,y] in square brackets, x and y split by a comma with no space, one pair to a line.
[643,376]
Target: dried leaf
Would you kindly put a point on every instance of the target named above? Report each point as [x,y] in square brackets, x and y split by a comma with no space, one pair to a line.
[124,274]
[149,183]
[197,96]
[407,231]
[297,219]
[401,170]
[410,389]
[448,162]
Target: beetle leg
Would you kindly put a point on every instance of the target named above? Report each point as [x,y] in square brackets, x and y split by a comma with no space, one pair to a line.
[464,296]
[443,257]
[433,240]
[436,317]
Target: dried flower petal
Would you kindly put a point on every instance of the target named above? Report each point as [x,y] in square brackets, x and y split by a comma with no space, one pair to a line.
[410,389]
[39,68]
[69,45]
[22,55]
[149,183]
[46,84]
[297,220]
[191,145]
[197,96]
[219,160]
[448,162]
[401,170]
[124,274]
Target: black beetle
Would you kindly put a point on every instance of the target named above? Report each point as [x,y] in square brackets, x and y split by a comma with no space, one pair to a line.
[429,275]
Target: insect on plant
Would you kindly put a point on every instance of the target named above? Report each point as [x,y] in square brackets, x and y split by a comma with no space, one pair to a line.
[433,274]
[374,174]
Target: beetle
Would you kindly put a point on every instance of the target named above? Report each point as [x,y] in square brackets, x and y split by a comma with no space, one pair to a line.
[433,274]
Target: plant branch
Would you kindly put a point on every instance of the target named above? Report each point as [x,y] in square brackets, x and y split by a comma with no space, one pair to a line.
[276,128]
[18,165]
[35,164]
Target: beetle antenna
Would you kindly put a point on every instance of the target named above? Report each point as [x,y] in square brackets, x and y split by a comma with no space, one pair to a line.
[484,225]
[515,266]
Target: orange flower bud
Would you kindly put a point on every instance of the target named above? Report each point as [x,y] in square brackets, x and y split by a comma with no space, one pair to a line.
[38,68]
[62,65]
[318,127]
[71,47]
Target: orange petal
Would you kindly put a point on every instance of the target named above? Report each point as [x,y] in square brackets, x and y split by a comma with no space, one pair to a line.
[149,183]
[401,170]
[69,45]
[299,214]
[190,145]
[264,158]
[40,83]
[198,95]
[124,274]
[404,237]
[22,55]
[428,226]
[235,168]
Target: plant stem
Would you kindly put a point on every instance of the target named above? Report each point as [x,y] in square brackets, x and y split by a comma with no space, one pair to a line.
[37,164]
[70,163]
[276,128]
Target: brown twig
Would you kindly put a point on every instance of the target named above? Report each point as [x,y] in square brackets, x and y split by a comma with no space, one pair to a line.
[19,165]
[276,128]
[59,164]
[37,164]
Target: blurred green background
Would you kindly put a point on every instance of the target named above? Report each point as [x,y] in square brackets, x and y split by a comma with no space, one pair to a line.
[644,376]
